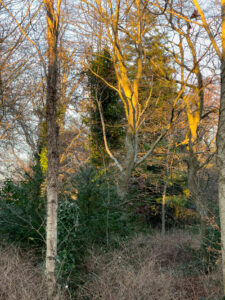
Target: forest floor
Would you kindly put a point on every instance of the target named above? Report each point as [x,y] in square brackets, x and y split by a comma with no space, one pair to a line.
[148,267]
[152,267]
[20,277]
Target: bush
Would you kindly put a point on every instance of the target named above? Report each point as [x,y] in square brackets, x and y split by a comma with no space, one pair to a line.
[211,245]
[22,214]
[94,218]
[178,211]
[99,210]
[206,257]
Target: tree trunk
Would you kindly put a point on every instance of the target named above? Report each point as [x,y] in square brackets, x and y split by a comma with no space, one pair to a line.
[221,147]
[165,190]
[52,151]
[125,174]
[193,184]
[164,209]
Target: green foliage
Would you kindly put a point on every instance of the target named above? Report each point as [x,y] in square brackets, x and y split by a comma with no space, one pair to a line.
[177,211]
[211,245]
[149,186]
[96,197]
[94,218]
[157,67]
[207,255]
[69,249]
[112,107]
[210,249]
[22,214]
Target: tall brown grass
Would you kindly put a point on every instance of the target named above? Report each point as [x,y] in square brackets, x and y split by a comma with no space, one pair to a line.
[149,268]
[22,276]
[20,279]
[145,268]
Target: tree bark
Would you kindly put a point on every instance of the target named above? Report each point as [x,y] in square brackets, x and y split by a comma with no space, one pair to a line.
[221,147]
[165,190]
[125,174]
[193,184]
[52,150]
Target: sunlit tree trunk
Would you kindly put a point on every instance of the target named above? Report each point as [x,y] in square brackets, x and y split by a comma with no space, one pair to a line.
[52,148]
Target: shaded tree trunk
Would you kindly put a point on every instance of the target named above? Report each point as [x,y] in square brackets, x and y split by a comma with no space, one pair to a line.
[195,190]
[129,161]
[165,190]
[164,208]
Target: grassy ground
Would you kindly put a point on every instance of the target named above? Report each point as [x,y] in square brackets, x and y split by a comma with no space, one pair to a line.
[149,267]
[20,279]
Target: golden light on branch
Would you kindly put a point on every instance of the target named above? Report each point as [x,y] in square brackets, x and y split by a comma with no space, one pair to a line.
[128,88]
[193,115]
[52,26]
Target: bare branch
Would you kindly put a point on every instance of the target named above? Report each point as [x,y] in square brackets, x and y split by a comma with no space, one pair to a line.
[153,147]
[105,139]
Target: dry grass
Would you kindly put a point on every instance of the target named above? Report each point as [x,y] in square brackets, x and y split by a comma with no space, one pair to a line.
[145,268]
[149,268]
[19,278]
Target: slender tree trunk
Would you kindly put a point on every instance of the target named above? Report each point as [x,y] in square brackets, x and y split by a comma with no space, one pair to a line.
[193,184]
[125,174]
[52,150]
[164,209]
[1,88]
[165,190]
[108,203]
[221,147]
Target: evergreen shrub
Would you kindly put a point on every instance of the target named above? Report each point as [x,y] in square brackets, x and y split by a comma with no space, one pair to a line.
[93,218]
[22,209]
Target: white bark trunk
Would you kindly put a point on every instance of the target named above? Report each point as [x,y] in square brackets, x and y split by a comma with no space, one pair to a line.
[221,164]
[51,242]
[52,148]
[221,147]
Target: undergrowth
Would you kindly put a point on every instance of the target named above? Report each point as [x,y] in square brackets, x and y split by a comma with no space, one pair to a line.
[150,267]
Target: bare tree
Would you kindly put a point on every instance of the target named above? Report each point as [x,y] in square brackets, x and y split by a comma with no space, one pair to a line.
[120,20]
[194,48]
[211,27]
